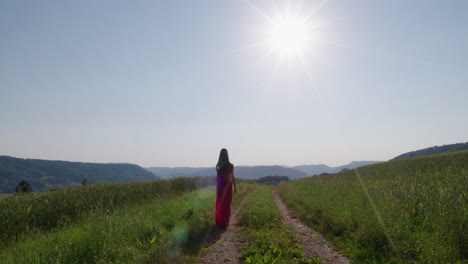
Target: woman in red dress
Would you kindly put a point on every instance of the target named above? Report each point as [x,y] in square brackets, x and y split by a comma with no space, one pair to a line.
[225,186]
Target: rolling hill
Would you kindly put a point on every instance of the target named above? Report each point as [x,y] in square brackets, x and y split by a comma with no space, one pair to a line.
[256,172]
[43,175]
[433,150]
[322,168]
[173,172]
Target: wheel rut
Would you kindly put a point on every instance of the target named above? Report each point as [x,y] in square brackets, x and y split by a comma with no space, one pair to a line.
[312,242]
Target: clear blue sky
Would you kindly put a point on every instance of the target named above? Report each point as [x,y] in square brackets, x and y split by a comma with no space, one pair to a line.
[169,83]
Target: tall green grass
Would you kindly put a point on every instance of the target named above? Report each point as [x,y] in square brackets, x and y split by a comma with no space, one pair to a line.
[162,230]
[404,211]
[27,214]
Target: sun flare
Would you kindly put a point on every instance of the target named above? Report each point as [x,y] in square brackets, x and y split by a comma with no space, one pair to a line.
[288,36]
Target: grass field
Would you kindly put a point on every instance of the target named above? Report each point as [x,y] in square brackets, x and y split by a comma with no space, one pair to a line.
[167,227]
[404,211]
[24,215]
[157,229]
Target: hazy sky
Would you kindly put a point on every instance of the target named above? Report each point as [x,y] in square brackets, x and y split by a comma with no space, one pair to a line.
[169,83]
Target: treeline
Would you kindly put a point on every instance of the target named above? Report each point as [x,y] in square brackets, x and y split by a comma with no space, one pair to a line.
[43,175]
[434,150]
[272,180]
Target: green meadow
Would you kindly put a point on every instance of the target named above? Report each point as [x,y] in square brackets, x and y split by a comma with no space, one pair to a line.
[404,211]
[110,223]
[28,214]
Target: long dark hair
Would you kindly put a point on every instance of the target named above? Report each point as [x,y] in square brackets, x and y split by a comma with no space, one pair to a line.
[223,161]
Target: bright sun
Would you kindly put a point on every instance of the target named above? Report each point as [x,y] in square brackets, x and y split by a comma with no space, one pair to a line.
[288,36]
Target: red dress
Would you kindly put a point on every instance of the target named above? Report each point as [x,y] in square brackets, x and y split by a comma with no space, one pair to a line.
[224,195]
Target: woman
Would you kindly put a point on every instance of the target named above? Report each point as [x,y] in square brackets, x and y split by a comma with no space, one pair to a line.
[225,185]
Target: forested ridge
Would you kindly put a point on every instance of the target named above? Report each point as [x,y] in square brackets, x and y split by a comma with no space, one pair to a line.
[43,175]
[434,150]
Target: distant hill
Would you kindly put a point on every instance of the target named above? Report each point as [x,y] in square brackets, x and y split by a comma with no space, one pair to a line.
[433,150]
[322,168]
[173,172]
[45,174]
[256,172]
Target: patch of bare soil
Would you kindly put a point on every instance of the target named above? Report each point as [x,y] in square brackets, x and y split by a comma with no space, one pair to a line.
[312,242]
[226,248]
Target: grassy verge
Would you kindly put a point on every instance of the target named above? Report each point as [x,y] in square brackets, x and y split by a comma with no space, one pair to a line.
[266,239]
[28,214]
[404,211]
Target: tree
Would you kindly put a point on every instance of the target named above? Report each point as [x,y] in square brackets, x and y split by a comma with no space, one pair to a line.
[23,187]
[84,182]
[273,180]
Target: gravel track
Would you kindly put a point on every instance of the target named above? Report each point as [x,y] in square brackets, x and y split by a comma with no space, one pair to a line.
[312,242]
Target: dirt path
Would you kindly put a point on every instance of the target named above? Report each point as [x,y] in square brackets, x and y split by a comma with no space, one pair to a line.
[226,248]
[313,243]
